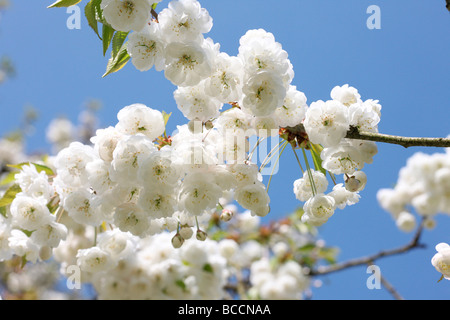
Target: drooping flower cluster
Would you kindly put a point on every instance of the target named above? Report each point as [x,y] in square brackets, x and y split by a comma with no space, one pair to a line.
[326,124]
[422,186]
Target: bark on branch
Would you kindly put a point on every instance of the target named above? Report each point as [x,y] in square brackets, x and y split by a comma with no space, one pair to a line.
[406,142]
[299,134]
[370,259]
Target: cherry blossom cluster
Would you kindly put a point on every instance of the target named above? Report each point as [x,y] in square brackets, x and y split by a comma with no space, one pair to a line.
[327,124]
[29,229]
[140,184]
[123,266]
[258,79]
[258,84]
[422,186]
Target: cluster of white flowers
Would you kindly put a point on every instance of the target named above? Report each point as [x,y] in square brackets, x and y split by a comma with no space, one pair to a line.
[258,84]
[258,79]
[423,186]
[285,281]
[327,124]
[128,180]
[29,229]
[123,266]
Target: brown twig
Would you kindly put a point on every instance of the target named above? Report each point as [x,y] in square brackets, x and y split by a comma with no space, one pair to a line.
[299,133]
[406,142]
[369,259]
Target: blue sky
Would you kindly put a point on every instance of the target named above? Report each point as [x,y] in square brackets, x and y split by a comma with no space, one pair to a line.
[404,64]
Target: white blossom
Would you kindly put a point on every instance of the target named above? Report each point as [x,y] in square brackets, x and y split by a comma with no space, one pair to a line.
[147,48]
[441,260]
[184,21]
[326,123]
[318,209]
[29,213]
[138,118]
[127,15]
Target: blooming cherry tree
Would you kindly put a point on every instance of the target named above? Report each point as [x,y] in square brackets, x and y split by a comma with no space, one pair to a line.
[125,205]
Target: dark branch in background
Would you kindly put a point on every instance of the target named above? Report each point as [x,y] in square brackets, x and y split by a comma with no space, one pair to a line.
[390,289]
[448,5]
[370,259]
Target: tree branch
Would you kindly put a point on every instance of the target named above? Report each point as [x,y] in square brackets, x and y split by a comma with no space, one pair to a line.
[370,259]
[406,142]
[299,133]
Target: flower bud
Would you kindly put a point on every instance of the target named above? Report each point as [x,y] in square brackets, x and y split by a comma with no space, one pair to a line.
[177,241]
[195,126]
[45,253]
[209,125]
[226,215]
[356,182]
[201,235]
[406,221]
[186,232]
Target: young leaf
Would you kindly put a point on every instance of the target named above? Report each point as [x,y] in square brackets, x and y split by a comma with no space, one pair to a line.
[107,35]
[117,63]
[117,42]
[208,268]
[166,117]
[39,167]
[92,11]
[180,283]
[8,179]
[64,3]
[10,195]
[3,211]
[315,152]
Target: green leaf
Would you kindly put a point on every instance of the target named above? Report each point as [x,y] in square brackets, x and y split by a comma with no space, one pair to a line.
[329,254]
[180,283]
[107,35]
[3,211]
[208,268]
[64,3]
[307,248]
[39,167]
[166,117]
[315,152]
[8,178]
[117,63]
[10,195]
[92,11]
[117,42]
